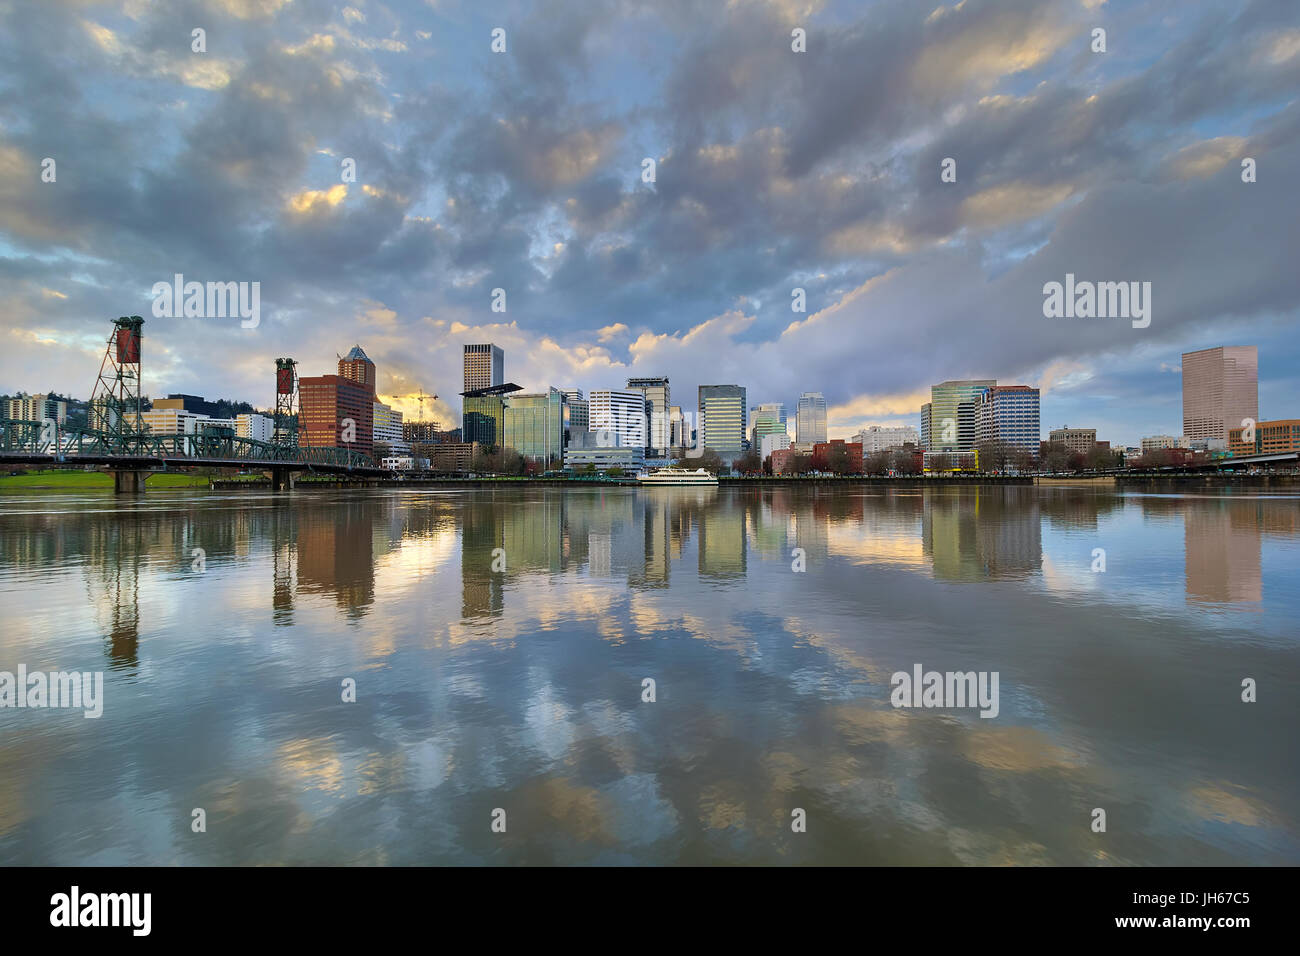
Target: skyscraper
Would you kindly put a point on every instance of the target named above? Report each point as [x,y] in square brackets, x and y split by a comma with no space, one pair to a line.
[337,412]
[484,366]
[766,419]
[657,398]
[722,419]
[1220,389]
[1009,413]
[810,419]
[621,413]
[356,365]
[951,426]
[535,426]
[579,410]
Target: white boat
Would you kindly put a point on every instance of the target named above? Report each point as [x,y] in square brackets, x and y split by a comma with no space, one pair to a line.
[678,476]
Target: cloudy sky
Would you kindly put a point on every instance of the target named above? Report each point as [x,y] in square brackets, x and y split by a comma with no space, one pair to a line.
[775,170]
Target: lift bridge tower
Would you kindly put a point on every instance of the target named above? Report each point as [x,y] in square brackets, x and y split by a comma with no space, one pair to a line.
[288,403]
[115,400]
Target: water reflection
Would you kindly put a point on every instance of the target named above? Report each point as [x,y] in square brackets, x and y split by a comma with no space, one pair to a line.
[499,639]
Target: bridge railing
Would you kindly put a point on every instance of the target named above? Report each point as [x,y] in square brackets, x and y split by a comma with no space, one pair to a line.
[17,436]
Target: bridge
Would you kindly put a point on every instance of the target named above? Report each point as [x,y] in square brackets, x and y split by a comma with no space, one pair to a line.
[124,445]
[131,461]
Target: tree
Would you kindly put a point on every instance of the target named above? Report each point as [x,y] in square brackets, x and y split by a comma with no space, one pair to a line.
[877,463]
[709,460]
[838,460]
[1056,456]
[995,455]
[748,463]
[1100,459]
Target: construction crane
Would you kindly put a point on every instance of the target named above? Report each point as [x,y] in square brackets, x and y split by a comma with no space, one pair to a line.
[419,396]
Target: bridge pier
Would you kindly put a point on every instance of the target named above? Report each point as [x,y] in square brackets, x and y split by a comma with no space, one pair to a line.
[282,479]
[129,482]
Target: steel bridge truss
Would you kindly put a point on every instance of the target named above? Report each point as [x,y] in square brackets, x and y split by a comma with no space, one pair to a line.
[21,438]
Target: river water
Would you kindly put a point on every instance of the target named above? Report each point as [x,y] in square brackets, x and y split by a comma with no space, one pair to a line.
[501,642]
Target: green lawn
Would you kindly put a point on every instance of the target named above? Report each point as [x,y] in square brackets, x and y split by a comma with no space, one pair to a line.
[86,480]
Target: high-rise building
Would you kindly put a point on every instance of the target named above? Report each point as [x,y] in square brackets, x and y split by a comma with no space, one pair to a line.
[1081,440]
[484,367]
[951,426]
[776,441]
[1220,390]
[37,408]
[356,365]
[484,415]
[172,421]
[388,429]
[337,412]
[876,438]
[536,425]
[810,419]
[194,404]
[677,428]
[255,426]
[657,397]
[764,420]
[1009,413]
[925,426]
[620,413]
[579,410]
[722,419]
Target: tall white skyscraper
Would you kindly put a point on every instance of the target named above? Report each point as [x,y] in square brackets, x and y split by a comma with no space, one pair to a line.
[657,402]
[619,412]
[810,420]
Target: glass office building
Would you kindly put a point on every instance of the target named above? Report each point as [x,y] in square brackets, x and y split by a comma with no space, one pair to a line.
[535,426]
[722,419]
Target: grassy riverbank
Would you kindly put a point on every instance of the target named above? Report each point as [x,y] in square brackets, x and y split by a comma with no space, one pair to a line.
[56,480]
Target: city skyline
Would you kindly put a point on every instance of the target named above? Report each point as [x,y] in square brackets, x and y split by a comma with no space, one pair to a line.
[477,172]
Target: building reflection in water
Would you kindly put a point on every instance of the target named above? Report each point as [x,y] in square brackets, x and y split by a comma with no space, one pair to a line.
[981,533]
[336,554]
[1223,546]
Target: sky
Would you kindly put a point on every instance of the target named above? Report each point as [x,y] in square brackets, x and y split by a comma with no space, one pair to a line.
[774,170]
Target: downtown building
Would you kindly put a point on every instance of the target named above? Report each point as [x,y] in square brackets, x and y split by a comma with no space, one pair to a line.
[579,410]
[764,420]
[949,419]
[37,408]
[1220,390]
[255,426]
[810,419]
[536,425]
[1079,440]
[484,366]
[877,438]
[483,407]
[1009,414]
[356,365]
[388,429]
[1271,438]
[334,409]
[620,416]
[657,396]
[722,419]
